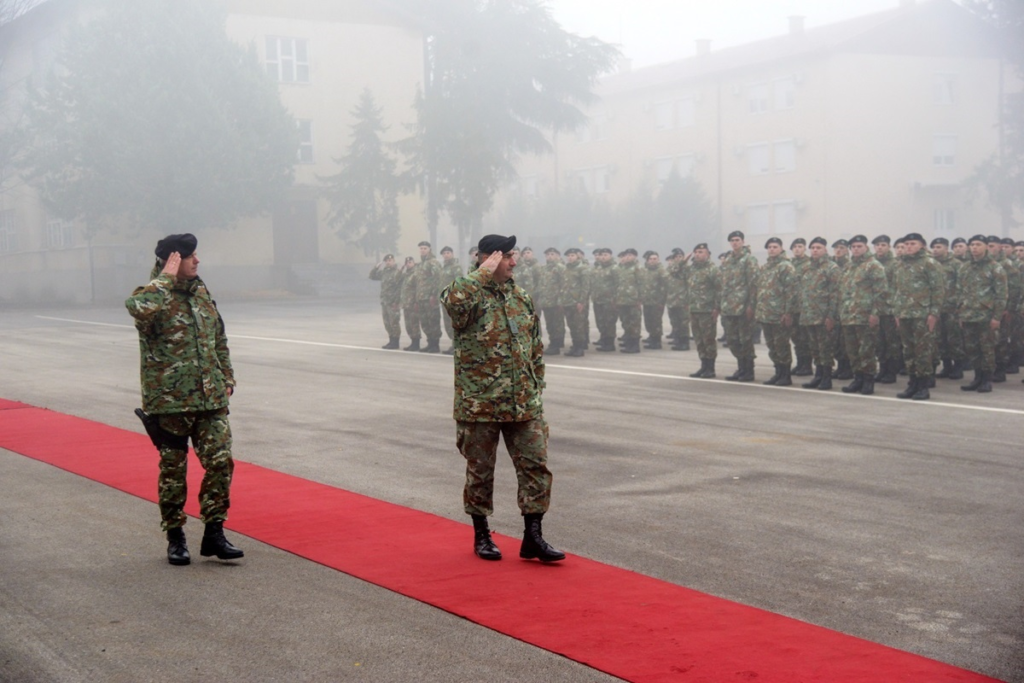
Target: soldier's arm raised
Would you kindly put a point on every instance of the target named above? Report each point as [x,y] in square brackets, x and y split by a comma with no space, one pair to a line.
[146,302]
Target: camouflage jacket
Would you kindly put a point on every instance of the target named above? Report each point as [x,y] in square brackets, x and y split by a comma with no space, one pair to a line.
[548,290]
[842,261]
[705,280]
[950,270]
[776,290]
[676,289]
[920,287]
[628,291]
[653,285]
[981,290]
[604,283]
[800,264]
[576,286]
[739,282]
[1011,267]
[524,274]
[451,270]
[185,364]
[889,262]
[863,291]
[390,284]
[408,280]
[819,292]
[499,363]
[428,278]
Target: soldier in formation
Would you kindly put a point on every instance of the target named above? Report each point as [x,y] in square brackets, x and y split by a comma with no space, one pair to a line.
[676,300]
[653,296]
[739,290]
[604,283]
[451,270]
[576,301]
[776,305]
[386,272]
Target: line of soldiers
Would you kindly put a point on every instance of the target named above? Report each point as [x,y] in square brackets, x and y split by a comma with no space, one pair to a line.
[867,313]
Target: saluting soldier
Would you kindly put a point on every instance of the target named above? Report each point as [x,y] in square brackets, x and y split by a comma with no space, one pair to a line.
[705,300]
[889,344]
[950,335]
[548,299]
[604,283]
[776,305]
[864,294]
[410,309]
[739,291]
[576,299]
[653,295]
[675,300]
[917,303]
[451,270]
[982,293]
[386,272]
[428,288]
[627,300]
[819,311]
[801,340]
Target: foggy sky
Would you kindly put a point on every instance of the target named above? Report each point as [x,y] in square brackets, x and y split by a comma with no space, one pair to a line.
[653,31]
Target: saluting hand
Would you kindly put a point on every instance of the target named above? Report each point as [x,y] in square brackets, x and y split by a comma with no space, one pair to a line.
[173,264]
[492,261]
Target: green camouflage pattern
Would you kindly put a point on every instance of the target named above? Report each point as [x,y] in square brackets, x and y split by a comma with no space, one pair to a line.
[390,297]
[604,282]
[777,290]
[705,288]
[863,291]
[776,338]
[705,332]
[980,345]
[525,276]
[819,292]
[677,286]
[210,432]
[739,335]
[499,364]
[951,270]
[653,285]
[627,293]
[739,282]
[982,291]
[576,295]
[861,343]
[822,341]
[920,287]
[527,444]
[550,280]
[185,364]
[408,286]
[428,286]
[918,346]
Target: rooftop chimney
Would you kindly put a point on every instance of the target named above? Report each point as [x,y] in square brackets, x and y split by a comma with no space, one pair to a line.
[796,25]
[703,46]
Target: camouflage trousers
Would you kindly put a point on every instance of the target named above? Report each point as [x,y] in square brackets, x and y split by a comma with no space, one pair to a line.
[776,336]
[412,321]
[705,330]
[430,318]
[980,345]
[739,335]
[554,323]
[822,351]
[630,314]
[579,326]
[861,345]
[890,345]
[839,342]
[606,317]
[654,318]
[950,338]
[211,438]
[392,315]
[527,444]
[1016,334]
[801,339]
[679,319]
[918,346]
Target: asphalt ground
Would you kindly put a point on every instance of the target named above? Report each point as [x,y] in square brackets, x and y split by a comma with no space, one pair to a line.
[895,521]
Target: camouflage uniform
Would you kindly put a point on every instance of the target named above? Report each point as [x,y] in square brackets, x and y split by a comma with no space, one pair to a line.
[186,375]
[739,292]
[800,337]
[776,297]
[675,301]
[499,377]
[551,277]
[950,335]
[451,270]
[390,298]
[1004,336]
[982,293]
[653,296]
[890,348]
[410,309]
[819,299]
[627,301]
[576,297]
[864,292]
[428,286]
[526,277]
[603,288]
[919,293]
[705,300]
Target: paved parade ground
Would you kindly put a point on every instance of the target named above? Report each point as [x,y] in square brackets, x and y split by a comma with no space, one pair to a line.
[895,521]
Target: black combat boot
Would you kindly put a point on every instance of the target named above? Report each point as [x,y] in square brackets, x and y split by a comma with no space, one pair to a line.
[392,343]
[966,365]
[956,371]
[177,551]
[856,385]
[605,345]
[414,346]
[534,546]
[868,387]
[826,379]
[739,371]
[979,379]
[653,343]
[214,543]
[433,346]
[631,345]
[813,384]
[575,351]
[912,387]
[803,367]
[748,370]
[784,379]
[930,381]
[922,393]
[553,350]
[710,372]
[986,384]
[887,372]
[844,371]
[999,375]
[771,381]
[947,369]
[682,344]
[483,546]
[702,370]
[1013,366]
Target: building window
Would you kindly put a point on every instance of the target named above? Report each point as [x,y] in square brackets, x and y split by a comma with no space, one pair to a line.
[942,88]
[679,113]
[785,156]
[287,59]
[8,231]
[686,111]
[59,234]
[757,98]
[785,217]
[664,115]
[305,153]
[595,129]
[758,219]
[785,93]
[943,150]
[944,221]
[757,158]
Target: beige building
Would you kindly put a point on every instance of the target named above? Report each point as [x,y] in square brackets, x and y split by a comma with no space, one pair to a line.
[867,126]
[322,53]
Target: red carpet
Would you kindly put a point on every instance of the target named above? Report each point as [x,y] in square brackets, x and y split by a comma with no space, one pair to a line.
[623,623]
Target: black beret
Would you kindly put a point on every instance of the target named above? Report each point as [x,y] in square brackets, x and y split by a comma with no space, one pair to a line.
[1019,243]
[978,238]
[599,250]
[840,243]
[819,240]
[184,244]
[861,239]
[489,244]
[735,233]
[773,240]
[898,241]
[424,243]
[914,236]
[446,250]
[529,249]
[798,240]
[940,240]
[1008,240]
[678,252]
[552,250]
[648,253]
[631,251]
[473,250]
[959,240]
[702,245]
[992,238]
[724,255]
[387,256]
[881,239]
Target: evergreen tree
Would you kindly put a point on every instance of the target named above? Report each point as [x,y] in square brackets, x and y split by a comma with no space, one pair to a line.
[683,214]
